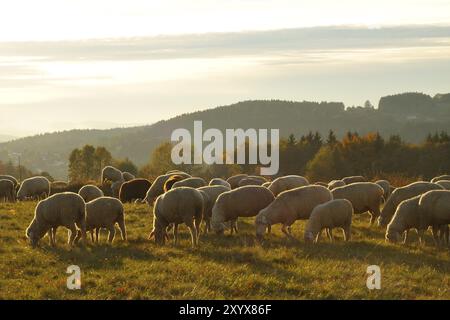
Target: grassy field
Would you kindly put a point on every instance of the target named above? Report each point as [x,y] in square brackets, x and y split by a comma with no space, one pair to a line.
[228,267]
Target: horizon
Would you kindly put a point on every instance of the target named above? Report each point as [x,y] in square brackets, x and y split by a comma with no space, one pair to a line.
[140,63]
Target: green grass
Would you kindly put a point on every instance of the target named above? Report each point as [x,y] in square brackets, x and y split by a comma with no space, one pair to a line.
[228,267]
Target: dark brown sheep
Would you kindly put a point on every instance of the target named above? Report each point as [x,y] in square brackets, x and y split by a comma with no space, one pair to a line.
[134,189]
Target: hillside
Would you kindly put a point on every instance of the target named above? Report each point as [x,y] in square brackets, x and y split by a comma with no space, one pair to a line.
[5,138]
[411,115]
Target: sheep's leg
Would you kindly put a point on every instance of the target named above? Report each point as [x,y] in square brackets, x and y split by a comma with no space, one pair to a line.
[421,239]
[405,238]
[92,235]
[330,234]
[72,234]
[197,224]
[123,231]
[50,236]
[269,229]
[175,234]
[193,230]
[112,233]
[435,233]
[97,231]
[347,233]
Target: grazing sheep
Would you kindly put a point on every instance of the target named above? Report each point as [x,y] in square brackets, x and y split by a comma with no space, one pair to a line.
[244,201]
[135,189]
[105,212]
[403,193]
[250,182]
[354,179]
[7,191]
[234,180]
[435,207]
[364,196]
[212,193]
[179,205]
[35,188]
[112,174]
[407,216]
[10,178]
[115,188]
[290,206]
[444,184]
[287,183]
[335,184]
[219,182]
[386,188]
[62,209]
[332,214]
[442,177]
[193,182]
[177,171]
[126,176]
[90,192]
[157,188]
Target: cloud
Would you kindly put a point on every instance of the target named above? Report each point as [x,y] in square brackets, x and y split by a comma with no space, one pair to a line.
[220,45]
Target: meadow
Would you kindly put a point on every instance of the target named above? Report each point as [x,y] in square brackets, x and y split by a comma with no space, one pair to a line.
[227,267]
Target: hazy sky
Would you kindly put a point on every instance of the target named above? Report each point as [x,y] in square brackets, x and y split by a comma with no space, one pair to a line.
[96,64]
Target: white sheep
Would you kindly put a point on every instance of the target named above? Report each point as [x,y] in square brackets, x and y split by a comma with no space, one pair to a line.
[287,183]
[234,180]
[112,174]
[335,213]
[157,187]
[90,192]
[219,182]
[35,188]
[212,193]
[105,212]
[333,184]
[364,196]
[63,209]
[126,176]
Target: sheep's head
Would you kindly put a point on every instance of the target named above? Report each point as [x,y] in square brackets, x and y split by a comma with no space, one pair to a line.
[217,219]
[309,237]
[393,235]
[160,236]
[34,233]
[261,224]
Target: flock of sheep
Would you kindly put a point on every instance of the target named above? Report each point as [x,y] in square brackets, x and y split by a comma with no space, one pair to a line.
[178,198]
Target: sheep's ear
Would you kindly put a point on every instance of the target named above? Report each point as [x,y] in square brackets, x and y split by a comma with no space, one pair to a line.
[152,235]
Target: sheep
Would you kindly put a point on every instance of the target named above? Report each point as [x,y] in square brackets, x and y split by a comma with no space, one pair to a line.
[403,193]
[35,187]
[62,209]
[287,183]
[193,182]
[135,189]
[244,201]
[7,190]
[212,193]
[444,184]
[219,182]
[112,174]
[364,196]
[386,188]
[115,188]
[234,180]
[290,206]
[179,205]
[176,172]
[333,184]
[248,181]
[105,212]
[435,208]
[126,176]
[10,178]
[406,217]
[266,184]
[157,188]
[353,179]
[442,177]
[335,213]
[90,192]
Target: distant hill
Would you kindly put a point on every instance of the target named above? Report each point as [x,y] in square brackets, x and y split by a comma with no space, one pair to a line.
[5,137]
[411,115]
